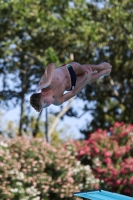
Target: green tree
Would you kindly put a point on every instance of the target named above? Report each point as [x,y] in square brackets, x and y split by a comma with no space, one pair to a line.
[34,33]
[112,96]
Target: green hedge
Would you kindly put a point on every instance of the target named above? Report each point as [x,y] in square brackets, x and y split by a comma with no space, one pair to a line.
[31,169]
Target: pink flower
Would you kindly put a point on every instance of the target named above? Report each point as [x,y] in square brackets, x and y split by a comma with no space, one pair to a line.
[118,154]
[114,172]
[108,153]
[99,170]
[111,128]
[123,171]
[96,149]
[124,181]
[131,180]
[128,148]
[118,182]
[117,124]
[107,160]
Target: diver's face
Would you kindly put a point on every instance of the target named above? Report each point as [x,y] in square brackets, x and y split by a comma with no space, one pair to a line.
[46,100]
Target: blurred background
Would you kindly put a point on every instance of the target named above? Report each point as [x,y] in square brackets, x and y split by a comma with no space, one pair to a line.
[87,142]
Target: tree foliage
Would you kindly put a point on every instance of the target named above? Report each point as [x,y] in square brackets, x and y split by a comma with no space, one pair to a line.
[112,96]
[34,33]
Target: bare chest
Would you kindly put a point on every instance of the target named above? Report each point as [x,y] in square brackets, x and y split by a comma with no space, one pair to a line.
[58,93]
[60,83]
[57,80]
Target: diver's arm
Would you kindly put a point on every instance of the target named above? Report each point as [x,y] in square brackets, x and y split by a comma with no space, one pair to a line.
[46,79]
[80,84]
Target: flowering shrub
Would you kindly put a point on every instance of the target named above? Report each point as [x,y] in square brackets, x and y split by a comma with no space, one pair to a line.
[33,169]
[110,156]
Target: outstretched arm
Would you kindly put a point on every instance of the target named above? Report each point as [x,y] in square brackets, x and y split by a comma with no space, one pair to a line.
[81,83]
[47,77]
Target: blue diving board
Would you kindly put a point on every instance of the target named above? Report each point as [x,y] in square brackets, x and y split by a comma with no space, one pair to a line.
[101,195]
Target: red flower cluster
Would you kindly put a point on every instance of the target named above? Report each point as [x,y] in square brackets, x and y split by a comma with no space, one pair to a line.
[110,155]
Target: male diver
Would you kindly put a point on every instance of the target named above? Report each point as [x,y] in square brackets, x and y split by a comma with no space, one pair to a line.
[72,77]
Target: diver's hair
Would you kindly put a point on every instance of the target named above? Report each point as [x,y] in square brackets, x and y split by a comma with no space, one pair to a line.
[35,101]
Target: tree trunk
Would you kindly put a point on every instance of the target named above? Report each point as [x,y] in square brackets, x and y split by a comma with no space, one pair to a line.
[21,115]
[46,126]
[36,125]
[55,122]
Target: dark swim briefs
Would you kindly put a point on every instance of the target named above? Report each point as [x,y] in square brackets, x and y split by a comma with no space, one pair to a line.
[73,76]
